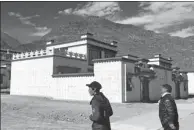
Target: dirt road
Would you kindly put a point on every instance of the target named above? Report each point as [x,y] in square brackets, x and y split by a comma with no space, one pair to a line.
[33,113]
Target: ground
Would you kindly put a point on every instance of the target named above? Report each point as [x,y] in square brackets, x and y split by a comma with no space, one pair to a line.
[34,113]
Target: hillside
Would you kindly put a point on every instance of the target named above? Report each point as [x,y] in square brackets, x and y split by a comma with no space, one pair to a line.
[131,39]
[8,42]
[190,38]
[35,45]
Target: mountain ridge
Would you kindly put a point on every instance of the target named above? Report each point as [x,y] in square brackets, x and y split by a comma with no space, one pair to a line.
[131,39]
[8,42]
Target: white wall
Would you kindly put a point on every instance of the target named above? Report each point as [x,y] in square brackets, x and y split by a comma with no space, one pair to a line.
[191,82]
[163,76]
[78,49]
[81,42]
[32,77]
[109,75]
[72,88]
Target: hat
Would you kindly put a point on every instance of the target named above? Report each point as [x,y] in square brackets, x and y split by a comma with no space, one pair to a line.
[167,87]
[94,84]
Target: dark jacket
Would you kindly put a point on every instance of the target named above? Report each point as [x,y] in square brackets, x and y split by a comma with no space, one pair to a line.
[101,111]
[168,111]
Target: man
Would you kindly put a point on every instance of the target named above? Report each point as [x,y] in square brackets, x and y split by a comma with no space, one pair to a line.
[101,108]
[168,110]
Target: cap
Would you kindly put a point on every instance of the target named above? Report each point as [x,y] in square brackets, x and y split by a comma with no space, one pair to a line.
[94,84]
[167,87]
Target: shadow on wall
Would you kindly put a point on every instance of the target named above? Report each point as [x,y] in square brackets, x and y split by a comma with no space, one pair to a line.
[5,91]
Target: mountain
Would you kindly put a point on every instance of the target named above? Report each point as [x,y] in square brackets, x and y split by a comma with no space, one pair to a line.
[8,42]
[131,39]
[35,45]
[190,38]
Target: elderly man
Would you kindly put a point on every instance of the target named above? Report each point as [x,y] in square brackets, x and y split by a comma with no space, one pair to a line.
[101,108]
[168,110]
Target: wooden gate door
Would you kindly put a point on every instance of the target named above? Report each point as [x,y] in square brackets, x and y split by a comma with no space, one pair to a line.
[145,91]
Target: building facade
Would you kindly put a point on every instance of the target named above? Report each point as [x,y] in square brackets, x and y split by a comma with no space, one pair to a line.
[6,57]
[60,72]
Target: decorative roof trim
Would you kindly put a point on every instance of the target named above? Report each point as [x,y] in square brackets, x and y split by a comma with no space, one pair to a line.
[187,71]
[57,55]
[158,66]
[114,59]
[73,75]
[9,50]
[32,58]
[87,38]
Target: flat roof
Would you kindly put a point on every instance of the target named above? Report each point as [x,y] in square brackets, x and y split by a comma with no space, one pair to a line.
[87,38]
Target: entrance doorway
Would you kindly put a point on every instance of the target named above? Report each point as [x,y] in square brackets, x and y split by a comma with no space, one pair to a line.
[145,90]
[177,84]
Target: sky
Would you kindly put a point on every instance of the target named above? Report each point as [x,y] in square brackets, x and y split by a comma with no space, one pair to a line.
[29,21]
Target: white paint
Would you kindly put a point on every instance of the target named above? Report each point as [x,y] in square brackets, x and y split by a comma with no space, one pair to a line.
[48,43]
[81,46]
[157,60]
[191,82]
[154,63]
[32,54]
[154,59]
[81,42]
[78,49]
[109,75]
[71,88]
[32,77]
[86,36]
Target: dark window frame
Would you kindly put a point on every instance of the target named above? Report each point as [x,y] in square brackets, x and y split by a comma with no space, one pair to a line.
[1,82]
[185,85]
[128,83]
[94,54]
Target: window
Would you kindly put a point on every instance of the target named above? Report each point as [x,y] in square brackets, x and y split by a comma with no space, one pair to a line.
[67,69]
[109,54]
[1,79]
[129,83]
[185,85]
[94,54]
[90,70]
[9,72]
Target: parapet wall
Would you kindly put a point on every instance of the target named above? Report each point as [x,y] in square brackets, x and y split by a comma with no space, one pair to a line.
[69,54]
[32,54]
[42,53]
[36,78]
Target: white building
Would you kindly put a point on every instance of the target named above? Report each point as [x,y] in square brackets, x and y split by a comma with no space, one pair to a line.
[190,75]
[60,74]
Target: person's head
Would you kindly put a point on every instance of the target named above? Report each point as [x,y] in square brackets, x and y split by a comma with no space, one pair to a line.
[166,88]
[94,87]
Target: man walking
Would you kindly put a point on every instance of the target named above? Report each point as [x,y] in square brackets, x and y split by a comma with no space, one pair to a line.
[168,110]
[101,108]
